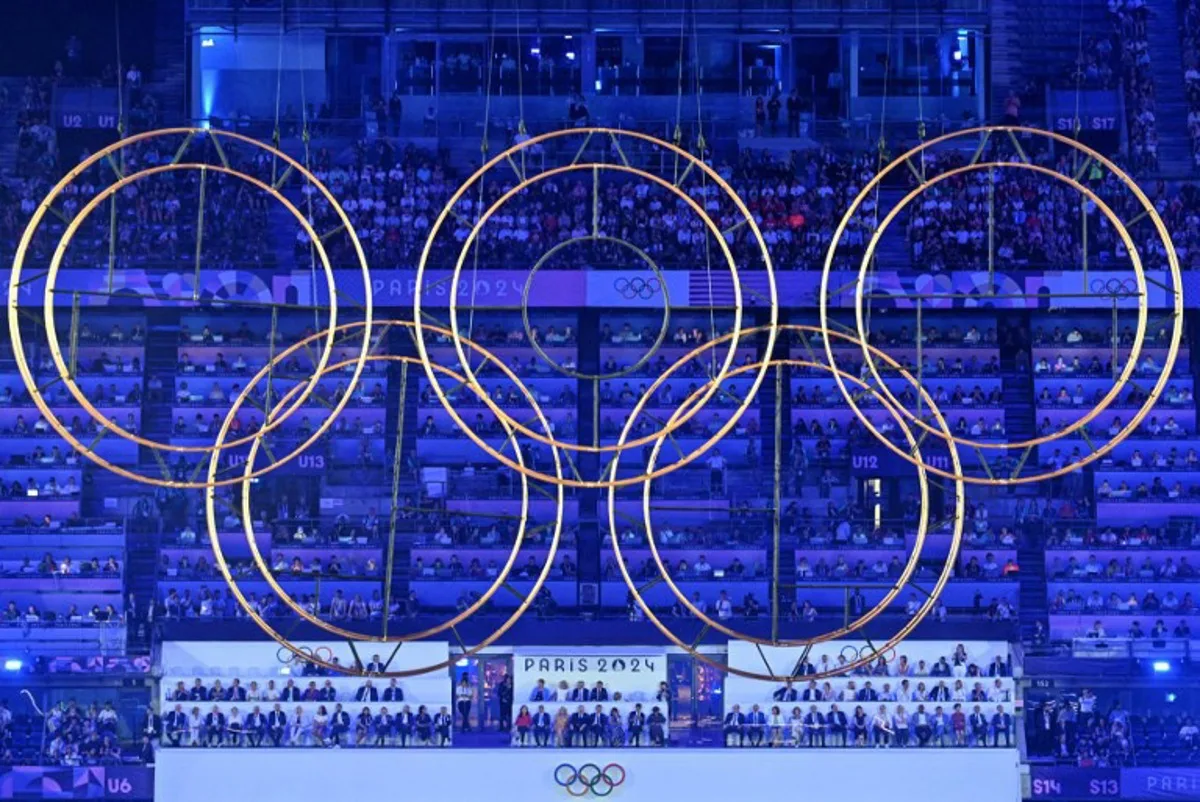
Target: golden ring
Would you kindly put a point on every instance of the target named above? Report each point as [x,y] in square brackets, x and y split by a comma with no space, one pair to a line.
[15,281]
[878,609]
[612,133]
[1028,445]
[290,603]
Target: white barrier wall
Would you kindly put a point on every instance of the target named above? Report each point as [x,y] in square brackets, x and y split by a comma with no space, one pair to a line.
[504,775]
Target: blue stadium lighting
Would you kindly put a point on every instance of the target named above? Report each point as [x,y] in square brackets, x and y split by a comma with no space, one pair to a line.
[1162,666]
[208,42]
[13,664]
[570,55]
[1171,698]
[463,663]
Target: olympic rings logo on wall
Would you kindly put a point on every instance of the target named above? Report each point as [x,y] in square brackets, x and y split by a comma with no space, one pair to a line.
[638,287]
[1113,286]
[589,779]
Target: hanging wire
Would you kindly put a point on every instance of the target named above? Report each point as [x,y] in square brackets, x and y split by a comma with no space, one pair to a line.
[490,57]
[700,148]
[275,135]
[306,138]
[112,203]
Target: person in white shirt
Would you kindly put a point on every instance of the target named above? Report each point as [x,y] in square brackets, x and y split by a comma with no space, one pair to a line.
[724,607]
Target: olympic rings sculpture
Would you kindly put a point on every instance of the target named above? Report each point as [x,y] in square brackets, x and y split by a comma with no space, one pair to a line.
[589,778]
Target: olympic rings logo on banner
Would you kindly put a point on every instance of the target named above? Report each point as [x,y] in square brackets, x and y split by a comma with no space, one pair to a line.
[1113,286]
[589,778]
[636,287]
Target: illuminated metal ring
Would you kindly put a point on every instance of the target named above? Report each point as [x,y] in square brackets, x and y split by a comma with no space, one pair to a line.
[1176,290]
[658,280]
[287,599]
[524,182]
[878,609]
[601,782]
[290,603]
[15,282]
[1140,279]
[474,234]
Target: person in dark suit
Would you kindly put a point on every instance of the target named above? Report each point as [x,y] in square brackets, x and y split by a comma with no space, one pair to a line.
[812,693]
[393,692]
[504,695]
[597,726]
[276,724]
[375,666]
[383,727]
[339,725]
[366,693]
[236,692]
[599,693]
[658,726]
[328,693]
[756,725]
[786,693]
[424,725]
[636,723]
[814,727]
[542,724]
[198,693]
[255,726]
[837,723]
[176,725]
[441,725]
[577,727]
[405,725]
[290,692]
[1001,725]
[735,724]
[998,668]
[579,693]
[978,723]
[214,727]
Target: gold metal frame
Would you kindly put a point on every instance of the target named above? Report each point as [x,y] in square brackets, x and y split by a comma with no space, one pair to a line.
[1139,274]
[55,348]
[289,602]
[524,182]
[880,607]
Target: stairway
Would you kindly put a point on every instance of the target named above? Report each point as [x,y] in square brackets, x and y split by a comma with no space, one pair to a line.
[1031,556]
[168,81]
[162,360]
[8,126]
[1171,107]
[1005,54]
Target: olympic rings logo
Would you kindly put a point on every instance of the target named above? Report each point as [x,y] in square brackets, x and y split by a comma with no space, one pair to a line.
[631,288]
[589,778]
[1113,286]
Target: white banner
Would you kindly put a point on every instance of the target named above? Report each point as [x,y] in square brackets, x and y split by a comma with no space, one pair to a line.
[544,775]
[586,675]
